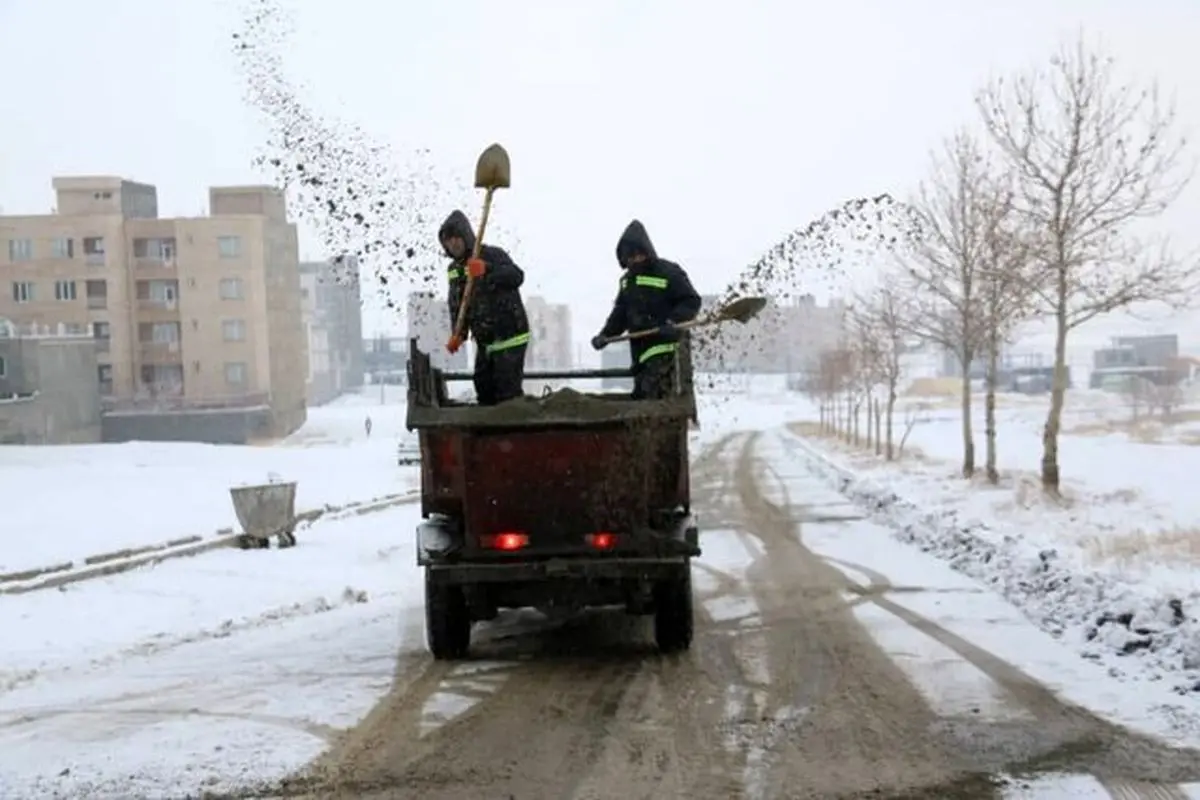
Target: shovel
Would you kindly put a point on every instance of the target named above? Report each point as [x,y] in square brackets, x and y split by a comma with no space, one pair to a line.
[741,311]
[492,172]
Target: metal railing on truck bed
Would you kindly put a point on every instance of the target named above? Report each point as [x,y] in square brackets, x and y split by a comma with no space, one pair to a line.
[430,406]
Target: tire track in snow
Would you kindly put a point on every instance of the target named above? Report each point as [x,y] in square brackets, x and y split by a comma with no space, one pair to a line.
[1128,765]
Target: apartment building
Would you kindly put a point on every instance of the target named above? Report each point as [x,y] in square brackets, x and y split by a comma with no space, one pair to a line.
[186,313]
[332,311]
[550,342]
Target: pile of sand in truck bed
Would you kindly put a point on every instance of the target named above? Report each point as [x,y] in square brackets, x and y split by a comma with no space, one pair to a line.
[564,406]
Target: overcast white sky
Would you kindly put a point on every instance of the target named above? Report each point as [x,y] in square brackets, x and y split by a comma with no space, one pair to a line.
[721,125]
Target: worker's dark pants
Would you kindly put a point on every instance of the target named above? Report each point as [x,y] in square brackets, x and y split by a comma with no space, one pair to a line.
[654,378]
[498,376]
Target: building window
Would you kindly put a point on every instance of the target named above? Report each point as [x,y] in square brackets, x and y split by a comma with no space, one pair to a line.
[233,330]
[97,293]
[62,247]
[156,250]
[229,246]
[105,373]
[20,249]
[164,332]
[74,329]
[231,288]
[235,373]
[3,368]
[102,333]
[64,290]
[93,250]
[22,292]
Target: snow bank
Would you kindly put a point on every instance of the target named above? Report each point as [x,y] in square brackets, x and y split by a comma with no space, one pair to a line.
[1139,632]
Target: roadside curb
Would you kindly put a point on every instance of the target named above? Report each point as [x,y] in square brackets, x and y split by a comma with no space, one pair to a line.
[118,561]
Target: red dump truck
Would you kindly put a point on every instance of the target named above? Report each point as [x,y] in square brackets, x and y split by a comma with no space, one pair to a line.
[568,500]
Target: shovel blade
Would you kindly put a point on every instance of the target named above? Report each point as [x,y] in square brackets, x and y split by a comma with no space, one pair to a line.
[492,170]
[743,309]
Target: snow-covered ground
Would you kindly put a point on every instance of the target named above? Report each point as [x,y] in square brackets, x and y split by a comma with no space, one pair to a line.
[240,666]
[1113,569]
[206,672]
[70,502]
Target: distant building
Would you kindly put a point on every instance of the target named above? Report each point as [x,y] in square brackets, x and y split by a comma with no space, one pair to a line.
[1154,358]
[385,359]
[429,323]
[550,340]
[49,392]
[333,324]
[192,317]
[782,339]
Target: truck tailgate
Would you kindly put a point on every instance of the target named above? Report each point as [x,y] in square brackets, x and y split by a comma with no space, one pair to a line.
[556,486]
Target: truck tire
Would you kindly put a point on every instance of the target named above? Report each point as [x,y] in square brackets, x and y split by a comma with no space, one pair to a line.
[447,621]
[673,618]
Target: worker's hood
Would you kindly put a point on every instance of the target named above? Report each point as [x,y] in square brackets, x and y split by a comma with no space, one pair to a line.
[634,240]
[457,224]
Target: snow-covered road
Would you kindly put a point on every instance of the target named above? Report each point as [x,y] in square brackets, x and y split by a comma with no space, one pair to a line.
[830,658]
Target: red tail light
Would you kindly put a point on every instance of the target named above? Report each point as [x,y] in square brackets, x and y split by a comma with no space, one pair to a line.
[602,541]
[505,541]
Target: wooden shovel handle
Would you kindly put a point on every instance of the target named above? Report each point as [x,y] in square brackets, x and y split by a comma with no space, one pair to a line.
[460,324]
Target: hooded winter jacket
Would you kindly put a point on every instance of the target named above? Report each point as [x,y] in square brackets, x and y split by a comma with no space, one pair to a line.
[652,293]
[496,317]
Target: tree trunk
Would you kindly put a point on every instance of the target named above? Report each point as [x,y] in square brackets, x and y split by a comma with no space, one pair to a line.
[968,465]
[989,410]
[1058,393]
[869,421]
[891,415]
[878,430]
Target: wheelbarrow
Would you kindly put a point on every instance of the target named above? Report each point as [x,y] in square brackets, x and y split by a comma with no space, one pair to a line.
[263,511]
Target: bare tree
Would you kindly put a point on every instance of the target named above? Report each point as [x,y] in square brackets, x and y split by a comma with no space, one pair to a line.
[833,369]
[1093,157]
[1007,280]
[943,262]
[863,342]
[880,317]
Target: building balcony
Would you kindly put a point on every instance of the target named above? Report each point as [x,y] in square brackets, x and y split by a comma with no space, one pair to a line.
[154,266]
[94,259]
[97,303]
[165,306]
[103,345]
[159,352]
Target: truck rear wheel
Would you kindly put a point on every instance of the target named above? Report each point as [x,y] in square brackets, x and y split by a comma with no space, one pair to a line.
[447,620]
[673,618]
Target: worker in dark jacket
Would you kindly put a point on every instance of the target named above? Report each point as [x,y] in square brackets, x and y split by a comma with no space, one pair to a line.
[496,317]
[655,293]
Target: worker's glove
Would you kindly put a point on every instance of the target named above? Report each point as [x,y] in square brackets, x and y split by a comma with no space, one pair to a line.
[454,345]
[669,331]
[476,267]
[599,342]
